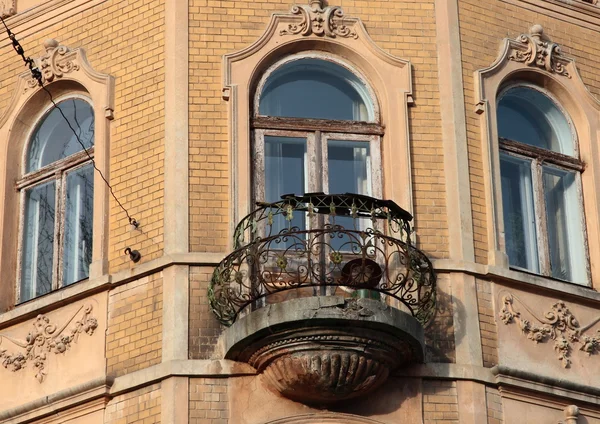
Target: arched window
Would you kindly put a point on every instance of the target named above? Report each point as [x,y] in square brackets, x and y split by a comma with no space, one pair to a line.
[56,189]
[316,129]
[540,171]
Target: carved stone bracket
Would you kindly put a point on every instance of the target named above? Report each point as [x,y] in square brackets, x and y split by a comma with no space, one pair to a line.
[559,324]
[8,8]
[535,49]
[319,21]
[58,61]
[46,338]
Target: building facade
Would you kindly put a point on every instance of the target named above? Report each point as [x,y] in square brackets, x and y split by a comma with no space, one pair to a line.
[334,212]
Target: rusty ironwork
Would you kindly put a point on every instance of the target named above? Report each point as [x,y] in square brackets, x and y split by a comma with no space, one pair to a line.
[318,241]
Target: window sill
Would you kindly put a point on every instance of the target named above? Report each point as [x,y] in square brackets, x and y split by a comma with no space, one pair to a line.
[515,276]
[83,289]
[575,11]
[54,299]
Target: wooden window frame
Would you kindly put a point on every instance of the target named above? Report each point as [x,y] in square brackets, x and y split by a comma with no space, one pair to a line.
[56,171]
[540,157]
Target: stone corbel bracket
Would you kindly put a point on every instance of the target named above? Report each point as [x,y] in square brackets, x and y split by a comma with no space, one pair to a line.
[46,338]
[536,49]
[319,21]
[558,324]
[8,8]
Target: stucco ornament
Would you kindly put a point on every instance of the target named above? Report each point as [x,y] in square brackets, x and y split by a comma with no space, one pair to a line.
[8,8]
[47,338]
[558,324]
[535,49]
[319,21]
[55,63]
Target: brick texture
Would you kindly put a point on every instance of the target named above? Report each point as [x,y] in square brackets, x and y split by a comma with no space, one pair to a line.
[494,406]
[134,336]
[140,406]
[124,40]
[439,332]
[403,28]
[440,402]
[483,26]
[487,323]
[204,328]
[208,401]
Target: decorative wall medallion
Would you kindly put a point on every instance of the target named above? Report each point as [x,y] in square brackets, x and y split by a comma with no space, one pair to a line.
[57,61]
[318,21]
[8,8]
[558,324]
[46,338]
[535,49]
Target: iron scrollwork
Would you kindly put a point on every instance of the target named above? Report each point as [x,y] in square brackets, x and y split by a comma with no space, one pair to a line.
[317,241]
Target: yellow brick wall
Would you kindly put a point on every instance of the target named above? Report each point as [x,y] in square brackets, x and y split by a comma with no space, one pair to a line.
[134,336]
[440,402]
[483,26]
[403,28]
[125,40]
[204,329]
[208,401]
[494,405]
[439,332]
[140,406]
[487,323]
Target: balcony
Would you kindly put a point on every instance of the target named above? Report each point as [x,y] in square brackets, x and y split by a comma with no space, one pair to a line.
[324,294]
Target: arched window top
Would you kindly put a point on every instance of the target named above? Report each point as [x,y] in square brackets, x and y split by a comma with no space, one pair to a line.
[53,140]
[308,87]
[529,116]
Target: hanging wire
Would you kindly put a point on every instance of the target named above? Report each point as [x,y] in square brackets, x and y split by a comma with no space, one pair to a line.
[37,75]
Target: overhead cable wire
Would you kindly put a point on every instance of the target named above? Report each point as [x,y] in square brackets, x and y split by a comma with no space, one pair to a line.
[37,75]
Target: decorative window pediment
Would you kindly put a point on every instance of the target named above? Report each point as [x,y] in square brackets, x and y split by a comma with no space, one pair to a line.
[536,49]
[316,20]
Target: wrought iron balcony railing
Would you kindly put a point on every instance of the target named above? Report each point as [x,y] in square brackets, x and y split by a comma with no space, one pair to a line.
[319,243]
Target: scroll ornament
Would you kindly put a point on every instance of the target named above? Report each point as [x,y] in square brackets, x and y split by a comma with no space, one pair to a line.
[7,8]
[535,49]
[559,325]
[58,61]
[47,338]
[319,21]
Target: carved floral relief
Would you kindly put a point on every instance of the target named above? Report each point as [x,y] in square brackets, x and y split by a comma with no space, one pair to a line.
[46,338]
[319,21]
[8,8]
[535,49]
[558,325]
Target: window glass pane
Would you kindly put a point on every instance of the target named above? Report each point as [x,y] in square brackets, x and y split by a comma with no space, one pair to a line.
[285,174]
[349,172]
[311,88]
[53,140]
[519,212]
[77,249]
[38,241]
[528,116]
[564,226]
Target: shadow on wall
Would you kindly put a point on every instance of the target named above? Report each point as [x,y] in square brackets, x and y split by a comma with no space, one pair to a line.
[386,400]
[442,333]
